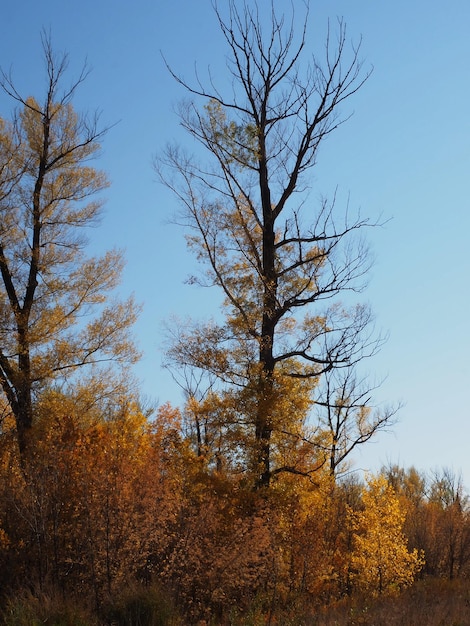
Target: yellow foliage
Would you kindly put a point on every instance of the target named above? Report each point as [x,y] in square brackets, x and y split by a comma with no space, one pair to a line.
[52,298]
[381,561]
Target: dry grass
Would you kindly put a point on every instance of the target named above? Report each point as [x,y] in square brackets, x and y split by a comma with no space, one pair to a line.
[36,609]
[427,603]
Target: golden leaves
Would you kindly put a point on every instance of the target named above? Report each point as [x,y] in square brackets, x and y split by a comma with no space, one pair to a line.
[51,295]
[381,561]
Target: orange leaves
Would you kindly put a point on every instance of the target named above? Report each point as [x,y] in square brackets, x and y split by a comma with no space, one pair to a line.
[110,497]
[90,499]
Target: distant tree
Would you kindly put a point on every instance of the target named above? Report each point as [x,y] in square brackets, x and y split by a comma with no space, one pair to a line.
[410,484]
[48,287]
[449,532]
[251,223]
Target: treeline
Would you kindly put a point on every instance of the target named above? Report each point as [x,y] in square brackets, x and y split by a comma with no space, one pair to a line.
[112,502]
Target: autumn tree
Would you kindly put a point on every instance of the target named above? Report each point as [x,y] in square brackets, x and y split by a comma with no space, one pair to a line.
[381,560]
[449,532]
[283,265]
[97,497]
[55,313]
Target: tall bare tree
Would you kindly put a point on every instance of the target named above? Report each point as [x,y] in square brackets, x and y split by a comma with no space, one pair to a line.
[49,288]
[282,264]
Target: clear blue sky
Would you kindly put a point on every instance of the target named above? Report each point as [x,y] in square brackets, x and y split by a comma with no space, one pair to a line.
[405,154]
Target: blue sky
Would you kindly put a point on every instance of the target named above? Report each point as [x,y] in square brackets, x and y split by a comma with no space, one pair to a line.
[404,155]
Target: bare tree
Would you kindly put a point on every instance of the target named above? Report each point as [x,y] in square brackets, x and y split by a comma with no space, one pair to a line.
[281,264]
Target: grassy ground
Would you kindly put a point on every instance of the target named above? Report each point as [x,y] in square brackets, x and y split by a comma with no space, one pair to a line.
[427,603]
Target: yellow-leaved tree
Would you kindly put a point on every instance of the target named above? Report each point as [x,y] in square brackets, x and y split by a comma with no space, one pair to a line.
[381,561]
[55,313]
